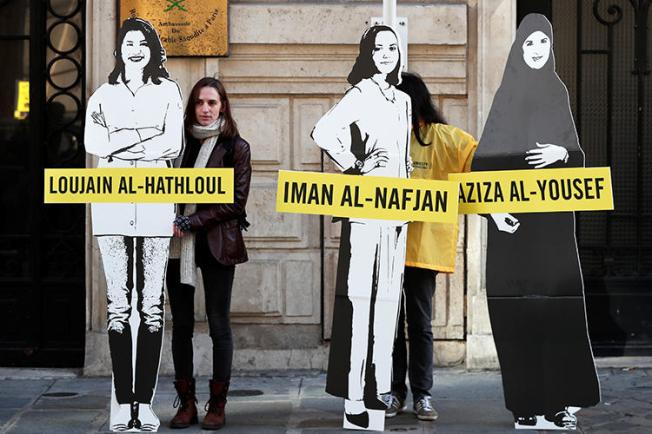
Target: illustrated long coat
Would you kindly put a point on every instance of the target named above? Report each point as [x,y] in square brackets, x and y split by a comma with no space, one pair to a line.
[534,279]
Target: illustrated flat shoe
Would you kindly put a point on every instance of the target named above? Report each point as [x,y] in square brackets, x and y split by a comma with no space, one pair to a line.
[121,419]
[360,419]
[375,403]
[525,420]
[147,419]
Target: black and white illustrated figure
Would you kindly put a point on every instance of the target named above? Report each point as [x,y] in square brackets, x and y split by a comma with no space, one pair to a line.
[135,121]
[534,280]
[367,133]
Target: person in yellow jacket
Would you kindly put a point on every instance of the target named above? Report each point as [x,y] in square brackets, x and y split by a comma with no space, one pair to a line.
[436,149]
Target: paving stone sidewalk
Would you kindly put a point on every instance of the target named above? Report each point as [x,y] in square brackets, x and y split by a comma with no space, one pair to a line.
[295,402]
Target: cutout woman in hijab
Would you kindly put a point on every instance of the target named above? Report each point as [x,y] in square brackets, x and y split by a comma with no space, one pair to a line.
[534,280]
[368,133]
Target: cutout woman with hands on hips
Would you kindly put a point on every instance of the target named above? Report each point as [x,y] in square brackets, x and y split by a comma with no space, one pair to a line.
[367,133]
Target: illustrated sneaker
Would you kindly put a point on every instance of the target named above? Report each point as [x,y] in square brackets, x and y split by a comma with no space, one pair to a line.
[395,405]
[424,410]
[149,421]
[120,420]
[563,420]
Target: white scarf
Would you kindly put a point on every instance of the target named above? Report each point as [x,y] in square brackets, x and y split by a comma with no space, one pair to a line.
[185,247]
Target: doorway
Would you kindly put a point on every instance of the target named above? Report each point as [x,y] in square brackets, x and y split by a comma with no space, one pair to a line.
[42,248]
[602,50]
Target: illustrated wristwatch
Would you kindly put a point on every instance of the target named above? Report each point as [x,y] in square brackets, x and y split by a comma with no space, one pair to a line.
[358,164]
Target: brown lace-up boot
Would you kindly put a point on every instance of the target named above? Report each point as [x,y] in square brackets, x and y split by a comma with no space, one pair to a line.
[186,401]
[215,418]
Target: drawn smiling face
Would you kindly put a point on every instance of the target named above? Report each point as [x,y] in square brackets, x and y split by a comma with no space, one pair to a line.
[536,50]
[385,52]
[135,50]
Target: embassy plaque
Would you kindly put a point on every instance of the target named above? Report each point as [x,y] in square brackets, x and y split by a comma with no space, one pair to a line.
[186,27]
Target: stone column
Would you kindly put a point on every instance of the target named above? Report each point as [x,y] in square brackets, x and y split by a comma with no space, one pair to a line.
[495,26]
[100,40]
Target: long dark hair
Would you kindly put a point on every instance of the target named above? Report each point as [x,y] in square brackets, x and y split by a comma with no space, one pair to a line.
[154,70]
[364,66]
[423,109]
[229,127]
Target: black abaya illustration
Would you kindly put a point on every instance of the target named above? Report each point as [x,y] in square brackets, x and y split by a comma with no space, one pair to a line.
[534,280]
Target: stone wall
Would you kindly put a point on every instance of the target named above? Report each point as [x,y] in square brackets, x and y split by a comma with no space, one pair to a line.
[288,64]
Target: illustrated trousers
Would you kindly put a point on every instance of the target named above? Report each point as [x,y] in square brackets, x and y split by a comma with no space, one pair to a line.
[134,263]
[374,286]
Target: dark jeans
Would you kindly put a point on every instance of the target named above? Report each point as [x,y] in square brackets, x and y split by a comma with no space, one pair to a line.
[418,289]
[218,282]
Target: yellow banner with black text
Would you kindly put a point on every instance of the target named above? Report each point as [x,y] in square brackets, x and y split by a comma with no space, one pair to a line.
[371,197]
[541,190]
[138,185]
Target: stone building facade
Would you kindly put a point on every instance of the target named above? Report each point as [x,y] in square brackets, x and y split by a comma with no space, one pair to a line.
[287,65]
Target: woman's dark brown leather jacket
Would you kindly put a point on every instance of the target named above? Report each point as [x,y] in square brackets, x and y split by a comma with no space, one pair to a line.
[222,222]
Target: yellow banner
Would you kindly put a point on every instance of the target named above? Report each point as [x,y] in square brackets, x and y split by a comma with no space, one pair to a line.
[371,197]
[139,185]
[540,190]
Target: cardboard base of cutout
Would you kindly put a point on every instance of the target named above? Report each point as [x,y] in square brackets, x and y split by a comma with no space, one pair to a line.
[540,422]
[132,417]
[370,420]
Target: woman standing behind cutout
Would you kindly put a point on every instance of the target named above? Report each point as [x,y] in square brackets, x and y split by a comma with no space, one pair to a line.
[367,133]
[534,280]
[436,149]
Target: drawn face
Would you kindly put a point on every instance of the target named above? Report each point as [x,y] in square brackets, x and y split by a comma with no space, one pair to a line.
[135,50]
[536,50]
[208,106]
[385,53]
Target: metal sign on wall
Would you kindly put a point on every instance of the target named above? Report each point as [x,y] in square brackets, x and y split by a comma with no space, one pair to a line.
[186,27]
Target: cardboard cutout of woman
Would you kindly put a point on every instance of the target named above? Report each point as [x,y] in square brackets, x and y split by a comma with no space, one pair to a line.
[135,121]
[368,133]
[534,280]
